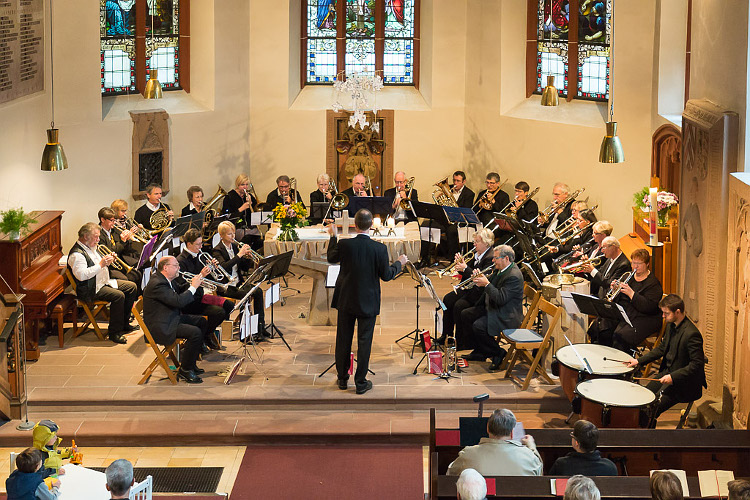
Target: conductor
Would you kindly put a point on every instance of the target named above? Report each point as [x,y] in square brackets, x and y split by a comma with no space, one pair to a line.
[364,263]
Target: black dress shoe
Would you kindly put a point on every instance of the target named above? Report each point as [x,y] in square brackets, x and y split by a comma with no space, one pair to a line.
[497,361]
[363,389]
[118,339]
[205,349]
[341,383]
[212,344]
[129,328]
[189,376]
[474,356]
[199,371]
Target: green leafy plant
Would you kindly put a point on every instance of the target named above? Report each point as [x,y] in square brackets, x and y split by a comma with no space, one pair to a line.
[15,220]
[638,197]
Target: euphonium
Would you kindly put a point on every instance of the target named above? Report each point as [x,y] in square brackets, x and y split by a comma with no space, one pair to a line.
[406,203]
[469,282]
[616,288]
[442,195]
[118,263]
[205,283]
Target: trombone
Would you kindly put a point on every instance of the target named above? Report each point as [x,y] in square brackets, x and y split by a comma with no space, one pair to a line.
[118,263]
[293,187]
[405,203]
[338,200]
[488,199]
[548,212]
[205,283]
[581,263]
[449,270]
[218,272]
[469,282]
[368,186]
[512,209]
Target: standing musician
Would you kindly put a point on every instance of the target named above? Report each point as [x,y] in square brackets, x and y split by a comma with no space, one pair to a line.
[282,194]
[153,203]
[500,198]
[235,260]
[682,374]
[320,195]
[561,214]
[458,300]
[195,201]
[640,297]
[163,301]
[357,188]
[91,274]
[190,263]
[118,242]
[602,329]
[239,203]
[500,306]
[399,193]
[529,209]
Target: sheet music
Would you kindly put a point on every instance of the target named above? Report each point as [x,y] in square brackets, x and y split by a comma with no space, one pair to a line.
[713,483]
[568,303]
[332,276]
[272,295]
[545,268]
[428,234]
[518,432]
[624,315]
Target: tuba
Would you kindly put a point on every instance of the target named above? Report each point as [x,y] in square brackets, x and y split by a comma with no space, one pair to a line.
[208,207]
[442,195]
[405,204]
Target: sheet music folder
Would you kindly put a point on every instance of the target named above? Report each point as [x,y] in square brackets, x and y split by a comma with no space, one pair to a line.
[594,306]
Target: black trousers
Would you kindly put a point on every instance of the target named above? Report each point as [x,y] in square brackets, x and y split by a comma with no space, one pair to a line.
[134,276]
[258,305]
[216,314]
[344,337]
[602,331]
[468,317]
[455,304]
[121,301]
[484,343]
[193,329]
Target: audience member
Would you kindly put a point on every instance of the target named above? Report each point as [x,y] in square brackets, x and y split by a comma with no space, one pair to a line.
[665,485]
[739,489]
[119,478]
[585,459]
[25,482]
[581,488]
[471,485]
[498,454]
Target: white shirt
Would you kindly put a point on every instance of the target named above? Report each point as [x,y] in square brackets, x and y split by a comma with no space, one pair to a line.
[457,194]
[193,207]
[594,272]
[552,226]
[478,257]
[153,208]
[83,272]
[230,251]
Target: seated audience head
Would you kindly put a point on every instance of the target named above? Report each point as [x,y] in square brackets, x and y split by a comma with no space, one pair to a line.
[665,485]
[501,424]
[585,436]
[363,219]
[471,485]
[119,478]
[120,207]
[581,488]
[672,308]
[195,196]
[29,460]
[739,489]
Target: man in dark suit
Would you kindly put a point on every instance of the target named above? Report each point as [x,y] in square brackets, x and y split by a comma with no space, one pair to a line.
[399,193]
[464,197]
[528,209]
[585,459]
[500,306]
[162,304]
[682,374]
[358,187]
[602,330]
[500,198]
[283,194]
[560,193]
[364,263]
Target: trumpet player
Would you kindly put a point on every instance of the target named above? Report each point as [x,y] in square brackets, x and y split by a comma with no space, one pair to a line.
[283,193]
[499,197]
[153,203]
[90,271]
[239,203]
[397,194]
[359,181]
[120,208]
[215,313]
[119,244]
[195,201]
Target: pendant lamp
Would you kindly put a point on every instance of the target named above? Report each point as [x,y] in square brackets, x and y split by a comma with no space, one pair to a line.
[153,87]
[550,96]
[53,157]
[611,148]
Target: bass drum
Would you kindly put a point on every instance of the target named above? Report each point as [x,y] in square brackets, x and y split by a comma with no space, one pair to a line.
[614,403]
[572,371]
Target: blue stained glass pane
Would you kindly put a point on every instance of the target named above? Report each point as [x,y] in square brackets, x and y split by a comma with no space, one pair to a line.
[321,60]
[321,18]
[397,61]
[360,56]
[552,59]
[593,71]
[117,47]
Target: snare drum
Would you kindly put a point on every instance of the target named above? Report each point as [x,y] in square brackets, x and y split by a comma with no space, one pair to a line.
[614,403]
[572,371]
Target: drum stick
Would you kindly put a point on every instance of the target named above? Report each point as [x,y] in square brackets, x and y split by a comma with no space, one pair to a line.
[646,378]
[618,360]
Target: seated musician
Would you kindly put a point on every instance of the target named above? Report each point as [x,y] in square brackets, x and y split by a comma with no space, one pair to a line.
[91,274]
[357,188]
[283,194]
[640,298]
[320,195]
[682,373]
[464,197]
[239,203]
[195,201]
[118,242]
[578,234]
[236,260]
[499,454]
[499,198]
[563,211]
[190,263]
[153,204]
[399,193]
[528,208]
[592,248]
[500,306]
[470,485]
[162,314]
[126,234]
[616,264]
[585,459]
[458,300]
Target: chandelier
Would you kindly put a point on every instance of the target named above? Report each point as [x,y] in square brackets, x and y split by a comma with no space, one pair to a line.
[356,94]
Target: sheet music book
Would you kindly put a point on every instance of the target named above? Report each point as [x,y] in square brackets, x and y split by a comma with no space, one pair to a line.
[681,475]
[435,359]
[235,368]
[518,432]
[557,486]
[332,275]
[713,483]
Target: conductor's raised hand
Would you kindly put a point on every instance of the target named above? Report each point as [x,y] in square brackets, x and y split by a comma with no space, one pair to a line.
[403,259]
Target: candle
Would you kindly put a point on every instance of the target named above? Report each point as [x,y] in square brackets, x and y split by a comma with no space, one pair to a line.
[376,223]
[652,196]
[391,222]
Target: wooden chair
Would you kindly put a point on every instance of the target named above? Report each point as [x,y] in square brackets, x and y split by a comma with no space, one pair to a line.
[524,341]
[649,344]
[161,352]
[531,298]
[98,305]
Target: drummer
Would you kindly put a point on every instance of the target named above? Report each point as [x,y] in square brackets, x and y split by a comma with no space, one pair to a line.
[682,373]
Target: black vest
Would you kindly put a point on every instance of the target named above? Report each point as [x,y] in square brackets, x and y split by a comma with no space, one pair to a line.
[85,290]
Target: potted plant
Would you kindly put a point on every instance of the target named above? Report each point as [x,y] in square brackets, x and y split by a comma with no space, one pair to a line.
[15,221]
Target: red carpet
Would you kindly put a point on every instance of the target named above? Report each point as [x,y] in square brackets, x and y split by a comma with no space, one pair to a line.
[326,472]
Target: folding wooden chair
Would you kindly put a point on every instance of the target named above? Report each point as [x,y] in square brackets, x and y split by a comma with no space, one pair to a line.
[524,341]
[531,297]
[161,352]
[98,305]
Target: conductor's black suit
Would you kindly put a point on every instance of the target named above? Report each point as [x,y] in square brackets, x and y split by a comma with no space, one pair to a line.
[364,263]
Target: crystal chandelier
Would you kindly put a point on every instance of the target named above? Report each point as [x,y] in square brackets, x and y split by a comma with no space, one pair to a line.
[358,91]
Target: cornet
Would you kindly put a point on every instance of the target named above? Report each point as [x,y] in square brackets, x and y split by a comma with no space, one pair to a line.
[218,272]
[128,224]
[617,286]
[469,282]
[205,283]
[118,263]
[449,270]
[253,254]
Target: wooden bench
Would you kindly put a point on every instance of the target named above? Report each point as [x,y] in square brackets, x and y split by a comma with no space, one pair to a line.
[56,311]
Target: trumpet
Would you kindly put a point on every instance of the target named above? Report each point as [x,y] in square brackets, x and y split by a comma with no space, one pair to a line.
[205,283]
[127,224]
[449,270]
[581,263]
[570,223]
[548,212]
[218,272]
[405,203]
[118,263]
[469,282]
[488,199]
[253,254]
[617,284]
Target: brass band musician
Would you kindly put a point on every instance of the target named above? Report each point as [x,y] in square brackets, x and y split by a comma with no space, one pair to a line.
[195,201]
[153,203]
[239,203]
[359,181]
[528,209]
[397,194]
[283,194]
[499,197]
[321,195]
[118,242]
[560,192]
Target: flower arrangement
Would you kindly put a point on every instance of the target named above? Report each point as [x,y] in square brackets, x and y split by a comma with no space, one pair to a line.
[14,222]
[664,203]
[289,217]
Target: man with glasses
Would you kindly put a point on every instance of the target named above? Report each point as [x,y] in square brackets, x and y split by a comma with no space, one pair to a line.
[120,243]
[283,194]
[499,201]
[561,214]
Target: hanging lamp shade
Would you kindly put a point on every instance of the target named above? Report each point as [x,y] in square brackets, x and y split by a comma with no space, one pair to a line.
[53,157]
[153,87]
[611,149]
[550,96]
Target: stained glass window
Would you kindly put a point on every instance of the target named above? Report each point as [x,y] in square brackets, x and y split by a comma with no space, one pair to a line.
[127,55]
[578,58]
[354,36]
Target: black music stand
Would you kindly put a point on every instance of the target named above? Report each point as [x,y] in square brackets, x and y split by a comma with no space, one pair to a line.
[278,266]
[522,239]
[594,306]
[318,210]
[431,212]
[427,283]
[377,205]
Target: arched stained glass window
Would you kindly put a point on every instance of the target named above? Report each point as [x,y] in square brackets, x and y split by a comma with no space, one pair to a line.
[129,47]
[571,42]
[360,36]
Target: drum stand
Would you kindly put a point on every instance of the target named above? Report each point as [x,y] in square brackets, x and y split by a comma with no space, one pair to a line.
[416,330]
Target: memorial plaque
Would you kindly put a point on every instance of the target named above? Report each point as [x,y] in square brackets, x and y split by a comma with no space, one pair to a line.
[21,48]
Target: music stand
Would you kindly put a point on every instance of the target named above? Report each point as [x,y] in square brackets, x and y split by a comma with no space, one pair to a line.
[377,205]
[318,210]
[431,212]
[522,239]
[427,283]
[190,221]
[244,320]
[594,306]
[165,237]
[278,267]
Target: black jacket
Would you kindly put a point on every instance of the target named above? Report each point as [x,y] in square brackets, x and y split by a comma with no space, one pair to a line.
[528,211]
[603,281]
[499,202]
[162,305]
[643,309]
[244,264]
[472,294]
[390,195]
[364,262]
[586,464]
[466,198]
[274,199]
[231,205]
[503,300]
